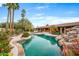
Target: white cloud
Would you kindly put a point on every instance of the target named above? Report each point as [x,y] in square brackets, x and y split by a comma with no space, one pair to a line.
[51,20]
[38,15]
[51,17]
[41,7]
[4,19]
[38,8]
[0,5]
[59,20]
[37,18]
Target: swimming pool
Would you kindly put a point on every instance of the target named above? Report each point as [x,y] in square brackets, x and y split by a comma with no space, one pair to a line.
[41,45]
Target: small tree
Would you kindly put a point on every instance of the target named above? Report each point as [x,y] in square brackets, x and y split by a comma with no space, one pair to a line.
[24,24]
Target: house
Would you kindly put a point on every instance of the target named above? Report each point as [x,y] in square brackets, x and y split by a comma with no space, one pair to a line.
[62,28]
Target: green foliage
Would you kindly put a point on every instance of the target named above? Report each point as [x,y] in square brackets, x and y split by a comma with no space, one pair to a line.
[10,17]
[55,28]
[25,34]
[18,31]
[6,54]
[4,42]
[12,5]
[23,13]
[56,33]
[23,25]
[2,25]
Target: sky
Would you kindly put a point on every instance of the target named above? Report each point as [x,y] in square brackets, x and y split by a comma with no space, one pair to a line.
[41,14]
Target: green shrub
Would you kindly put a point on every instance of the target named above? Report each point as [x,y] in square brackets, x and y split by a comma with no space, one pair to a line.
[4,43]
[56,33]
[6,54]
[4,36]
[25,34]
[18,31]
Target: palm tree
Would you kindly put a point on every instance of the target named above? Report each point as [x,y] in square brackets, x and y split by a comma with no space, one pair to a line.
[11,8]
[7,23]
[25,21]
[23,13]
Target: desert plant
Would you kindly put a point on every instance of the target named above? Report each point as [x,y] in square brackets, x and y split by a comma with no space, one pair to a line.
[25,34]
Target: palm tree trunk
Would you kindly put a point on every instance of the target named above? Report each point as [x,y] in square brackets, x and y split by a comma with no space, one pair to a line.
[11,20]
[7,23]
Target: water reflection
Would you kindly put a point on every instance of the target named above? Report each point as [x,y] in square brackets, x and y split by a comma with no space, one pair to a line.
[41,46]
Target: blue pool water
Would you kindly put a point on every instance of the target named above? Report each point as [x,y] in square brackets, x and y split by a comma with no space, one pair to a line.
[41,45]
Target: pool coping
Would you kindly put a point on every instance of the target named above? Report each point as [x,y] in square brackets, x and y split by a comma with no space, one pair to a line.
[14,43]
